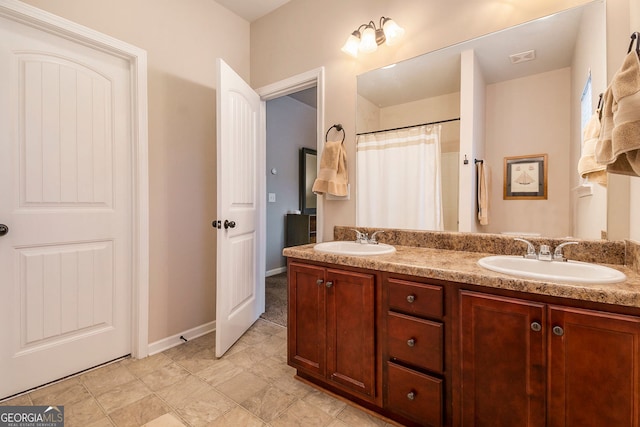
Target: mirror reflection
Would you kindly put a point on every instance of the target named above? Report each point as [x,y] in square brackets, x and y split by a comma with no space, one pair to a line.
[308,173]
[517,92]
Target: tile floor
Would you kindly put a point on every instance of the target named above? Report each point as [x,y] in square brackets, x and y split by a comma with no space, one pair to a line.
[187,386]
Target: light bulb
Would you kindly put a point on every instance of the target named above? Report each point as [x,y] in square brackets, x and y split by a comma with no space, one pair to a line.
[392,31]
[351,45]
[368,43]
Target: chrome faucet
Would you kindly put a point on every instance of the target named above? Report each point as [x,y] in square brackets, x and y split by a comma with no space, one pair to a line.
[361,237]
[531,250]
[544,254]
[557,253]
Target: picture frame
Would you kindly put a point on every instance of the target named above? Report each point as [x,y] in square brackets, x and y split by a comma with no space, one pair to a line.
[525,177]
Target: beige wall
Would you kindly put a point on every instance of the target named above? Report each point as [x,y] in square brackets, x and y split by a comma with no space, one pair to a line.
[305,34]
[511,131]
[182,39]
[589,213]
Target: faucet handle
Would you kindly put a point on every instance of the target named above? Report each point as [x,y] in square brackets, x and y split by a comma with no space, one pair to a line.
[557,253]
[372,239]
[531,250]
[360,236]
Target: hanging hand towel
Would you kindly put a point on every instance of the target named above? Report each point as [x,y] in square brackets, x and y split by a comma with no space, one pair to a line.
[332,176]
[587,166]
[483,194]
[619,148]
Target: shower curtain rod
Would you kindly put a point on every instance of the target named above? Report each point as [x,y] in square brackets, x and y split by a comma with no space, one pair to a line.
[411,126]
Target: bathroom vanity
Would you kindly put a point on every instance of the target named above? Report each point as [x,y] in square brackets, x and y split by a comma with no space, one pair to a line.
[426,337]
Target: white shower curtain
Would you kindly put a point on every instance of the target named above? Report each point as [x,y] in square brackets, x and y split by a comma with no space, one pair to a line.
[398,176]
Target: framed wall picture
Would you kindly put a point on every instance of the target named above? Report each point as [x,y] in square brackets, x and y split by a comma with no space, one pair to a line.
[525,177]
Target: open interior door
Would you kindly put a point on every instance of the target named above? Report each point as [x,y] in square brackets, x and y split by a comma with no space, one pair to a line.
[240,197]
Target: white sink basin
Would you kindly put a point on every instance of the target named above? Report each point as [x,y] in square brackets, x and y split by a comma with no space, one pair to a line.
[353,248]
[555,271]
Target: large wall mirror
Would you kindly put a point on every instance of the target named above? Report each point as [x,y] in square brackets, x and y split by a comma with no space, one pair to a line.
[533,78]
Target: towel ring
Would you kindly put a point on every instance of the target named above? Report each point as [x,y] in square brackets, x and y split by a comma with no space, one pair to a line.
[599,107]
[634,37]
[338,128]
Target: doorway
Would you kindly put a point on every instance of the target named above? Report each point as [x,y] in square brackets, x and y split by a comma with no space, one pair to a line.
[294,121]
[291,123]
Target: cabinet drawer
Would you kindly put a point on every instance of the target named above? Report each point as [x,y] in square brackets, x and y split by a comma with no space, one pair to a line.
[415,341]
[415,298]
[414,395]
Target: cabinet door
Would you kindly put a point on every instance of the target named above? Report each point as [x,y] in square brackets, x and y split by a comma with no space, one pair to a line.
[594,373]
[307,323]
[503,361]
[351,331]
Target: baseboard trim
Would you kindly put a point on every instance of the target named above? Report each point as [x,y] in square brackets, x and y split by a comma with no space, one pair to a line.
[174,340]
[276,271]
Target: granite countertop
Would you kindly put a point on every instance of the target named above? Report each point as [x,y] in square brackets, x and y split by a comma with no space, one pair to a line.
[462,267]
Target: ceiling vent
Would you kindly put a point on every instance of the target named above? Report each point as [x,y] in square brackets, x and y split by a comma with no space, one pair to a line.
[517,58]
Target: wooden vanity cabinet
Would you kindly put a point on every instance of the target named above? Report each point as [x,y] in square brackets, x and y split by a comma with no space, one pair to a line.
[503,361]
[526,363]
[594,368]
[433,353]
[414,367]
[332,327]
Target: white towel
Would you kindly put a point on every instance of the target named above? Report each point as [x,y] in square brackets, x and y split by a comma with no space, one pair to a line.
[483,193]
[587,166]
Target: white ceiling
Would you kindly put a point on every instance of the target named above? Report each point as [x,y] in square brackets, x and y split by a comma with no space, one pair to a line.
[252,9]
[438,73]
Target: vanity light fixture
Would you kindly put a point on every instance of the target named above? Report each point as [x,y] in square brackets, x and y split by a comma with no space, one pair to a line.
[371,36]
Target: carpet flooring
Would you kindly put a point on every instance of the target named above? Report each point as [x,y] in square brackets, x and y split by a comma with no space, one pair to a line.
[276,299]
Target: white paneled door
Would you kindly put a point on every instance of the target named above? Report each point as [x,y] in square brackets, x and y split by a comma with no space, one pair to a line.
[66,199]
[240,188]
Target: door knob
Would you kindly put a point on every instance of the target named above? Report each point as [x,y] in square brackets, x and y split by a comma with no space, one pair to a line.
[411,298]
[229,224]
[536,327]
[557,330]
[411,342]
[329,284]
[216,224]
[3,229]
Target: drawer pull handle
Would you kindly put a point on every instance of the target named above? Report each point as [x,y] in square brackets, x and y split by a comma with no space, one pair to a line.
[329,284]
[411,395]
[411,342]
[536,327]
[557,330]
[411,299]
[319,282]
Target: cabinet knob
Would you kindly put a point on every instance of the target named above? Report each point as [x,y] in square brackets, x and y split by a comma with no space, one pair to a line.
[411,342]
[319,282]
[329,284]
[557,330]
[411,298]
[536,327]
[411,395]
